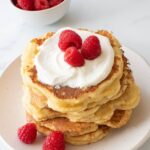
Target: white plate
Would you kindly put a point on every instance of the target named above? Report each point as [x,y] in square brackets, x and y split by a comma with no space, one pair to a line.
[129,137]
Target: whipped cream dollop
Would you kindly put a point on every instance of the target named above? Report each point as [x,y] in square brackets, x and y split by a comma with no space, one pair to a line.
[53,70]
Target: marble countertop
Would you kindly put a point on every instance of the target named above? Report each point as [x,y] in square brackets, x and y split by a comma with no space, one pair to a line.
[129,20]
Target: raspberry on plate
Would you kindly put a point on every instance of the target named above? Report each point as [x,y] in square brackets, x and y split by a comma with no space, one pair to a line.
[25,4]
[74,57]
[91,48]
[55,141]
[27,133]
[41,4]
[69,38]
[53,3]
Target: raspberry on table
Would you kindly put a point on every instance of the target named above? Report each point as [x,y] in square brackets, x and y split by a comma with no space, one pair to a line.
[91,48]
[53,3]
[74,57]
[69,38]
[25,4]
[27,133]
[55,141]
[41,4]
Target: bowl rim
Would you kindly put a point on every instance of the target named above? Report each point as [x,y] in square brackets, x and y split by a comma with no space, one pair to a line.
[37,11]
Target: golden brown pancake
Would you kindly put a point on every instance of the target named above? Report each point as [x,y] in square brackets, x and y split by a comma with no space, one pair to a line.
[84,115]
[70,99]
[81,133]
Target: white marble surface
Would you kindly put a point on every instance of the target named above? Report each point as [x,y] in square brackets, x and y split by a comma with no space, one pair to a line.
[129,20]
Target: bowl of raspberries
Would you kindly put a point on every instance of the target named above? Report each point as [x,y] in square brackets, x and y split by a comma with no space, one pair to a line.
[40,12]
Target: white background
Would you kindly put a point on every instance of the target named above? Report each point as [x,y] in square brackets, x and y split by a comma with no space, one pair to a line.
[129,20]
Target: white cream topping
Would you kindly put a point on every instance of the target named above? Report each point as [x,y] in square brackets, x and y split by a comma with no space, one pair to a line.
[53,70]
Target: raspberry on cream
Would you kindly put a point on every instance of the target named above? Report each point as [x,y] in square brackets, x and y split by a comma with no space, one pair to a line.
[74,57]
[91,48]
[69,38]
[53,70]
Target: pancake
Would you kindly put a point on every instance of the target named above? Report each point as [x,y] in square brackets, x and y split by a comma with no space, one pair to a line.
[57,98]
[84,115]
[128,99]
[81,133]
[98,114]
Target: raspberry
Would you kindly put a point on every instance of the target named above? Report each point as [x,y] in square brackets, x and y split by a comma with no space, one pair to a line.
[41,4]
[74,57]
[26,4]
[17,6]
[91,48]
[55,141]
[53,3]
[27,133]
[69,38]
[14,2]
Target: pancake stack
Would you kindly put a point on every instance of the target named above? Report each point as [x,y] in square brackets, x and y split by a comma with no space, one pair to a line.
[84,115]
